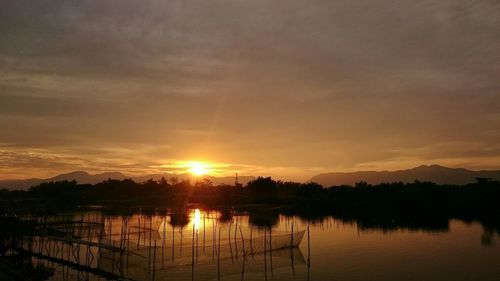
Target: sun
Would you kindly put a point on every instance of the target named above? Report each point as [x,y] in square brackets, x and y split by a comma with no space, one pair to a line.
[198,168]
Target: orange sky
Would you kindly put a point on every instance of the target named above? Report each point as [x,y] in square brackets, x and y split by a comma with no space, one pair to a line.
[288,89]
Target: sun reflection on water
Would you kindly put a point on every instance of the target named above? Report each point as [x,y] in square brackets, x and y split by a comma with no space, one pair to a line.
[197,219]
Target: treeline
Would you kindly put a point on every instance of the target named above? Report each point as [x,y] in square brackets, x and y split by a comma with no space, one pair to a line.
[109,192]
[480,200]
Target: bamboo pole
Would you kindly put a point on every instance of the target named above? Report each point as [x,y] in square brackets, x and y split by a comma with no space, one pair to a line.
[218,256]
[154,260]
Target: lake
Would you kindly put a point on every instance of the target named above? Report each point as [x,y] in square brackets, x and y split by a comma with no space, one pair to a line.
[194,244]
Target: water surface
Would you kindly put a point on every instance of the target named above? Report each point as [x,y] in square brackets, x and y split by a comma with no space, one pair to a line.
[193,244]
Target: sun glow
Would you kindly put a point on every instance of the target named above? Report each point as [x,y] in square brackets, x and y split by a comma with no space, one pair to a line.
[199,169]
[195,168]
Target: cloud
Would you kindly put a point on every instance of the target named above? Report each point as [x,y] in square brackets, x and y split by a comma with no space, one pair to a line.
[274,85]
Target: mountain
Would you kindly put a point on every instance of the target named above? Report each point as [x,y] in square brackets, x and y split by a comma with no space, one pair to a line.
[433,173]
[79,176]
[86,178]
[20,184]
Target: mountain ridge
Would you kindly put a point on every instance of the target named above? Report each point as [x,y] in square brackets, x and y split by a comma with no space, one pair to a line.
[434,173]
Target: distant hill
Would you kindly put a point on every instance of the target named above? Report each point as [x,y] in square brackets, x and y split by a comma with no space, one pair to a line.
[433,173]
[79,176]
[86,178]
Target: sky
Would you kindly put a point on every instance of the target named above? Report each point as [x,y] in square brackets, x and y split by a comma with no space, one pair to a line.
[287,88]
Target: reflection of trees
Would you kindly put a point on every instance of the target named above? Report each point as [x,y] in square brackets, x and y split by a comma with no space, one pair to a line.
[263,219]
[180,219]
[226,216]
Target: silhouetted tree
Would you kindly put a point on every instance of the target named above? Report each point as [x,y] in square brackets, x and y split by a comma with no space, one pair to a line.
[263,189]
[163,181]
[174,180]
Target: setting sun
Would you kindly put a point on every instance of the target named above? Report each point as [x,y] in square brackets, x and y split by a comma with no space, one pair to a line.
[199,169]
